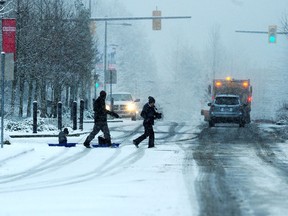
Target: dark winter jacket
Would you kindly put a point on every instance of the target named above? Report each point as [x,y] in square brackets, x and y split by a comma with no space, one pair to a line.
[62,137]
[100,111]
[149,114]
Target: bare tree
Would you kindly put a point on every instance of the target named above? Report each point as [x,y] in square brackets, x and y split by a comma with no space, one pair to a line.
[52,53]
[285,23]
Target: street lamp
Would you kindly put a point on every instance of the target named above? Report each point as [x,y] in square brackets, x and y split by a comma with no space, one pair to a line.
[105,47]
[105,58]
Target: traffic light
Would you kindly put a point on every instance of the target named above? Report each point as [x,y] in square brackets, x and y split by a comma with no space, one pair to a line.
[272,33]
[96,78]
[156,23]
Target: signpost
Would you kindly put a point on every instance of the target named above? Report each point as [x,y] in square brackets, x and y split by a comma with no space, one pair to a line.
[7,61]
[111,76]
[9,35]
[2,100]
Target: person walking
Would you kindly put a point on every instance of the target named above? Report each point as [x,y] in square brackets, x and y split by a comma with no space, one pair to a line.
[100,120]
[149,114]
[62,136]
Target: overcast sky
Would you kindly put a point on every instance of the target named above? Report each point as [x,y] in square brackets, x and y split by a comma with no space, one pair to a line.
[228,15]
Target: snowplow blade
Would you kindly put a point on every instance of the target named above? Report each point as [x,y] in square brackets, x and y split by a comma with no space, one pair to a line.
[205,113]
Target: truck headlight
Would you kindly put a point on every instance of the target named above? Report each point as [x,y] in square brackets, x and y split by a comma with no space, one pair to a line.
[131,107]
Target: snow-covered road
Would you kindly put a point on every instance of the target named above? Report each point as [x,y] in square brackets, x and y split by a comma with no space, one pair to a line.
[193,170]
[39,180]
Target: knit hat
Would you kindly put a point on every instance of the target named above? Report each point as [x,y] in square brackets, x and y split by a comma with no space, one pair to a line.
[151,100]
[102,94]
[66,131]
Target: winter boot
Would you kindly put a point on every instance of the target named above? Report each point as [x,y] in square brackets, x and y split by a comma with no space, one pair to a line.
[87,145]
[135,143]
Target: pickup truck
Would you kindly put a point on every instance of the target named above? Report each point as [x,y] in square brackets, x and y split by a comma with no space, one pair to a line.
[123,104]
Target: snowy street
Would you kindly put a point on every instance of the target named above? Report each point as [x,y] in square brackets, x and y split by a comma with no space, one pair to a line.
[192,171]
[44,180]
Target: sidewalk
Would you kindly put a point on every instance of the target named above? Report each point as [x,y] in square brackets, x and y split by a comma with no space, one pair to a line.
[75,133]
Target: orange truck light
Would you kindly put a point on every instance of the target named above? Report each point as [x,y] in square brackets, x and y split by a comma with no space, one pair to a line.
[228,78]
[245,84]
[218,84]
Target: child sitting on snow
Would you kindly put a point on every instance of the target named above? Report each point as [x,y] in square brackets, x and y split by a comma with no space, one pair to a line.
[62,136]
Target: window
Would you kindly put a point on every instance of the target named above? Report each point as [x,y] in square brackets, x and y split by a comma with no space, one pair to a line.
[227,101]
[121,97]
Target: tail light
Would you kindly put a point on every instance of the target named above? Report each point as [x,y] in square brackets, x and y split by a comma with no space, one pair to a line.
[212,108]
[249,99]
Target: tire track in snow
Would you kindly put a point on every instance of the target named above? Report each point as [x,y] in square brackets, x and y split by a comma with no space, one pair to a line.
[44,167]
[108,168]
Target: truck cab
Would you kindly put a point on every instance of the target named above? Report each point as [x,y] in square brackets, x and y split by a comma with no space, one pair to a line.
[123,104]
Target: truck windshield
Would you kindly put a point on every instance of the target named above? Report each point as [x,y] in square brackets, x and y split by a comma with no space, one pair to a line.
[121,97]
[227,101]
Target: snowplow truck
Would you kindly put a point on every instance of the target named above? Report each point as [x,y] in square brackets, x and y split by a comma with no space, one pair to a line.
[232,86]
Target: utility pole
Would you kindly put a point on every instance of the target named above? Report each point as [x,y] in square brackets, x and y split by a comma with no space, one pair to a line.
[90,10]
[2,83]
[105,56]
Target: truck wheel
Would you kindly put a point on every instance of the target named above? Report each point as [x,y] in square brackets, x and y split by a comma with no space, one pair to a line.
[248,119]
[242,124]
[211,123]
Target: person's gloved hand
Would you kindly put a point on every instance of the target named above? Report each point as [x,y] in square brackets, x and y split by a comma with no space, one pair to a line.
[115,115]
[158,115]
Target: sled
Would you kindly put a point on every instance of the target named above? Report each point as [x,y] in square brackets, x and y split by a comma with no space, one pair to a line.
[103,145]
[63,145]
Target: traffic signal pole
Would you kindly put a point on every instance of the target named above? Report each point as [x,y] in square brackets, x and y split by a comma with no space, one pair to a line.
[137,18]
[259,32]
[272,33]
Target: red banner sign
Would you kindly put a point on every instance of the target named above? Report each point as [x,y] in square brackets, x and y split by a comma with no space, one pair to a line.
[9,36]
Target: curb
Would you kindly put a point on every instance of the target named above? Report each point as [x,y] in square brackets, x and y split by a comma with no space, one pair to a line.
[45,135]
